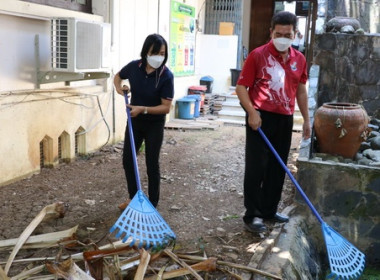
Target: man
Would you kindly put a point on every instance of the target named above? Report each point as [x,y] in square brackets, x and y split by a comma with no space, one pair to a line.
[273,76]
[297,41]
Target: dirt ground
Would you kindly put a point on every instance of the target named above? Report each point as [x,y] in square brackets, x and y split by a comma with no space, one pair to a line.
[201,194]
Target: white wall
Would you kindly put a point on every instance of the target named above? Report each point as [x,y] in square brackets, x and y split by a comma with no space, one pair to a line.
[17,70]
[217,59]
[134,20]
[28,114]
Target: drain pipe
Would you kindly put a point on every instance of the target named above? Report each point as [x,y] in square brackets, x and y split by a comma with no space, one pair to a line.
[112,21]
[158,17]
[113,115]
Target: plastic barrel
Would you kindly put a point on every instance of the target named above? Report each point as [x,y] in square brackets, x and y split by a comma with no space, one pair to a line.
[235,73]
[186,108]
[200,90]
[208,82]
[197,107]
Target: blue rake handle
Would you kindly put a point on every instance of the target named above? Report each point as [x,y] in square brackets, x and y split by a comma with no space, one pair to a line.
[132,140]
[346,261]
[291,176]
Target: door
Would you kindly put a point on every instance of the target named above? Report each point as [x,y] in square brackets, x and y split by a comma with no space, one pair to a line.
[261,15]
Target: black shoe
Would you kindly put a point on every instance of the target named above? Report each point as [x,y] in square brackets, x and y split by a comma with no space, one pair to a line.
[280,218]
[256,226]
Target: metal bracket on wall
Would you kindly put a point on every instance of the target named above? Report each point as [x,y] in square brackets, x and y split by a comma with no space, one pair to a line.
[44,77]
[55,76]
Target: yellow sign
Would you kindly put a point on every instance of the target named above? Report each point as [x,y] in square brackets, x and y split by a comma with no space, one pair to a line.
[182,39]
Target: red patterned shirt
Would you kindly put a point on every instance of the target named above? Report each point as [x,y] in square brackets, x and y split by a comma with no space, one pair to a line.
[272,84]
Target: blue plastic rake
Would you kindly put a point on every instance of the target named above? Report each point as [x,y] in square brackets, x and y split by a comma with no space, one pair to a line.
[140,221]
[346,261]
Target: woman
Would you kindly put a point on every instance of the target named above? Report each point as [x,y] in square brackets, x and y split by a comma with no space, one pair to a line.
[152,90]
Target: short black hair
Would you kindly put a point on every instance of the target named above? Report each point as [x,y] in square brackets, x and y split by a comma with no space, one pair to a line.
[284,18]
[156,41]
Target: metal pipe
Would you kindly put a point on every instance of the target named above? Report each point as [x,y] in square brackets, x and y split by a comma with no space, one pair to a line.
[113,115]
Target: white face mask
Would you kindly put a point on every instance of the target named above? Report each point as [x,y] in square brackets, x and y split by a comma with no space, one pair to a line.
[155,60]
[282,44]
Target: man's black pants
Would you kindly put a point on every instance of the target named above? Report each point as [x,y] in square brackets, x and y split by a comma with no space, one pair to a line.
[264,176]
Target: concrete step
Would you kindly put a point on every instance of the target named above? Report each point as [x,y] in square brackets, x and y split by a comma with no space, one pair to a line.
[297,127]
[233,113]
[231,117]
[229,96]
[232,98]
[227,120]
[232,107]
[297,118]
[236,117]
[232,121]
[232,103]
[232,89]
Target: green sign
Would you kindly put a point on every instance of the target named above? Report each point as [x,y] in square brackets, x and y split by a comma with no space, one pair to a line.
[182,39]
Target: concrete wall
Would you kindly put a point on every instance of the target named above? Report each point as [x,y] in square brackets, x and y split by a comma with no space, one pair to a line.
[29,115]
[347,197]
[349,69]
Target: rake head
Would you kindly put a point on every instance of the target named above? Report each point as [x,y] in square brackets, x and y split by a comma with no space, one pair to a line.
[142,222]
[346,261]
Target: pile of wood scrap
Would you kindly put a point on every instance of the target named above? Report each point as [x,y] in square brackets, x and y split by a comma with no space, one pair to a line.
[217,104]
[113,261]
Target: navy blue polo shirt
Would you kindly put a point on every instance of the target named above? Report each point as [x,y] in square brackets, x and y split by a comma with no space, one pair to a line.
[148,89]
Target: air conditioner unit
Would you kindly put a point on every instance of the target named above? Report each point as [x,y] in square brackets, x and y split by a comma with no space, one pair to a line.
[80,46]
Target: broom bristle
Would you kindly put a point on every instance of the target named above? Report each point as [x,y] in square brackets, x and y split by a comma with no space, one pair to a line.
[346,261]
[142,222]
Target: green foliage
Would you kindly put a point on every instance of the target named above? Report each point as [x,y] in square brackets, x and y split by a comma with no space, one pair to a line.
[142,148]
[201,244]
[230,217]
[370,274]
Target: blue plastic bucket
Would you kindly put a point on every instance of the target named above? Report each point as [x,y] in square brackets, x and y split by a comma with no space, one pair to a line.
[186,108]
[197,105]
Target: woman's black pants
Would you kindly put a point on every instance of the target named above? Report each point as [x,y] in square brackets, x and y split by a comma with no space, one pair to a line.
[152,133]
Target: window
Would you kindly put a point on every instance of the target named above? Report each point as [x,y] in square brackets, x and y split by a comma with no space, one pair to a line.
[224,5]
[302,8]
[84,6]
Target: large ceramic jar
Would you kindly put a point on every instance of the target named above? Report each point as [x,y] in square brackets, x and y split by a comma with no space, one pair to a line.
[340,128]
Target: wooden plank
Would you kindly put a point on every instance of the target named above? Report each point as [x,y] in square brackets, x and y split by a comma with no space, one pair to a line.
[196,124]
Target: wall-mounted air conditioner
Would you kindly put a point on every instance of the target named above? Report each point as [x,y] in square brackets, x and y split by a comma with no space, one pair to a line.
[80,46]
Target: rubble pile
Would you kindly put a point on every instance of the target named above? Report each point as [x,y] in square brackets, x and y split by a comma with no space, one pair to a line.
[369,153]
[77,260]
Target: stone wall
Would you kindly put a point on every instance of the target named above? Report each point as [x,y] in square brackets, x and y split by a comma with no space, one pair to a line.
[347,197]
[366,11]
[349,69]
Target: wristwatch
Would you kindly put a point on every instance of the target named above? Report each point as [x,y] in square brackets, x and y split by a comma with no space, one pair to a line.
[145,110]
